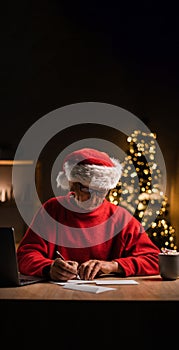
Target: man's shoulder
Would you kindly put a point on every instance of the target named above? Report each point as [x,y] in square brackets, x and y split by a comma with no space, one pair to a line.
[54,201]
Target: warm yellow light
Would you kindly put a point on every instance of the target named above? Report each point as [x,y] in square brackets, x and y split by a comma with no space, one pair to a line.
[16,162]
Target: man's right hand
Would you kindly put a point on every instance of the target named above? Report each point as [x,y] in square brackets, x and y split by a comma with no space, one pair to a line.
[63,270]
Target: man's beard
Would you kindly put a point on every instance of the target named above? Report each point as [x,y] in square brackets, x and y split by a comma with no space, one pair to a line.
[92,203]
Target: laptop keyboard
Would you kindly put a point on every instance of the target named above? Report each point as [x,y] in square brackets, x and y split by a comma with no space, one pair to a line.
[25,279]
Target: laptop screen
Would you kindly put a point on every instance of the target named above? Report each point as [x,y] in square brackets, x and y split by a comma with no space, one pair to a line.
[9,272]
[8,259]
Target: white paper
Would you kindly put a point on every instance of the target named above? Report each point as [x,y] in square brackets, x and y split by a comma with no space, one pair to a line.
[116,282]
[87,288]
[81,281]
[59,283]
[109,281]
[97,282]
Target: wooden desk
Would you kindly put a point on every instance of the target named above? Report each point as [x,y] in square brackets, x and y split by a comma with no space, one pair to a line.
[149,288]
[132,313]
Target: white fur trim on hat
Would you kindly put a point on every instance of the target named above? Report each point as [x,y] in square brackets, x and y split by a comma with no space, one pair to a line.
[92,175]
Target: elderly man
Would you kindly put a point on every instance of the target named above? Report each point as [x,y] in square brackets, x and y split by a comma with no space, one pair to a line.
[82,233]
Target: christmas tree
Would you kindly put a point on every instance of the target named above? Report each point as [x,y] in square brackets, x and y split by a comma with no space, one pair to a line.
[140,190]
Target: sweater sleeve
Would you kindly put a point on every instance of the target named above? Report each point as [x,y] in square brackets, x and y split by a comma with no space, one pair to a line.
[140,254]
[32,254]
[35,252]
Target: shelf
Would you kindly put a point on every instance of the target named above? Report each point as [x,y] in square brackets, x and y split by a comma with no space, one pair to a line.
[16,162]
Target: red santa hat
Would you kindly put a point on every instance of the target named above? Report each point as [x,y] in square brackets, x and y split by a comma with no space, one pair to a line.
[90,167]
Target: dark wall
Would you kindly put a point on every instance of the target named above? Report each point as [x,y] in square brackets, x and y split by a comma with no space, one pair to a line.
[54,53]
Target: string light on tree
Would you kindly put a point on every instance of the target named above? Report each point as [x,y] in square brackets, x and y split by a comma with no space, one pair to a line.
[140,185]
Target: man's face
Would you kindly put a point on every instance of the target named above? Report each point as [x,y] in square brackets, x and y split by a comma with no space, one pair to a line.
[86,197]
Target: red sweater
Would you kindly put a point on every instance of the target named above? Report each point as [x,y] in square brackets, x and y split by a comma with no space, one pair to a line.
[107,233]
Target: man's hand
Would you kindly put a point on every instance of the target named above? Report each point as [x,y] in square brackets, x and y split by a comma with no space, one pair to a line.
[63,270]
[93,268]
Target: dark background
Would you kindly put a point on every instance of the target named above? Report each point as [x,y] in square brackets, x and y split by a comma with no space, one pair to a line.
[55,53]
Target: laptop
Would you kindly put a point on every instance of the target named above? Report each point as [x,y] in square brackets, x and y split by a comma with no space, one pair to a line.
[9,273]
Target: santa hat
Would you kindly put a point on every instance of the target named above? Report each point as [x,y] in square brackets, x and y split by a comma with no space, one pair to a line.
[90,167]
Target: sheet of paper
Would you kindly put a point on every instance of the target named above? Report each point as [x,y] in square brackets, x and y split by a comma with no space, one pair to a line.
[115,281]
[97,282]
[81,281]
[87,288]
[109,281]
[73,282]
[59,283]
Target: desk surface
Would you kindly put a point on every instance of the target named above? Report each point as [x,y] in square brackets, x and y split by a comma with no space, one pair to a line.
[148,288]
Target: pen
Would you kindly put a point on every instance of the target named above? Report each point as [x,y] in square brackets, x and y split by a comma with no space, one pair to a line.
[62,257]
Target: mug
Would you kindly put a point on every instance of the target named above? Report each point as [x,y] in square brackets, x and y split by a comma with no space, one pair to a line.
[169,266]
